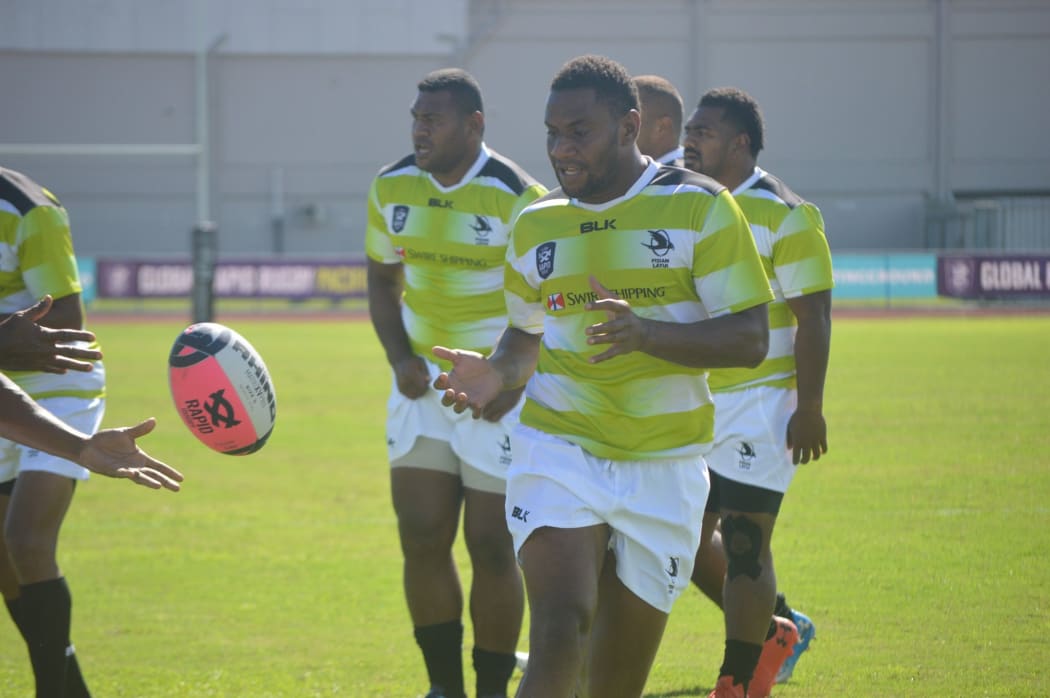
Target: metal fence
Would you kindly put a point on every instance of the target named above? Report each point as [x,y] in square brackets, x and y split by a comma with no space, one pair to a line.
[1009,223]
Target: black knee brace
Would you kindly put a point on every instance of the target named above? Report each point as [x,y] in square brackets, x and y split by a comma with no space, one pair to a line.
[742,539]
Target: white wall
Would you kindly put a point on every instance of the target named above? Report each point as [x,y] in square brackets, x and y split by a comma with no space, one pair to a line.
[871,105]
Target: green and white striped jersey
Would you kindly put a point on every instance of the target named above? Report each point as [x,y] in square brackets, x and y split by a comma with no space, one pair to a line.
[36,259]
[789,234]
[677,248]
[452,241]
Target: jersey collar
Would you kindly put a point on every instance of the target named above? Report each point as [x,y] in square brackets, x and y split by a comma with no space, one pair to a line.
[758,174]
[483,156]
[639,184]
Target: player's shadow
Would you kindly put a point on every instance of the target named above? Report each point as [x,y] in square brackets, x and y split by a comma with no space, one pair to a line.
[681,693]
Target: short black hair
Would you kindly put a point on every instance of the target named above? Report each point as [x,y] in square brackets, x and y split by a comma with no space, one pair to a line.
[610,80]
[464,88]
[741,110]
[661,93]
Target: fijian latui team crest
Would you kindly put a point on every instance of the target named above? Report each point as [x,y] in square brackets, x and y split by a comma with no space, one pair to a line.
[397,221]
[545,259]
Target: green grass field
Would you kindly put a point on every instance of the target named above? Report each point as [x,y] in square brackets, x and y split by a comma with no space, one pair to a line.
[920,545]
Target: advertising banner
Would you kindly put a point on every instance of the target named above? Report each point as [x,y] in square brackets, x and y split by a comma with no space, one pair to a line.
[292,279]
[988,276]
[884,276]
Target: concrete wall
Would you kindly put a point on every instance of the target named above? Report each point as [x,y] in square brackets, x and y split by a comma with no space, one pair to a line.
[871,105]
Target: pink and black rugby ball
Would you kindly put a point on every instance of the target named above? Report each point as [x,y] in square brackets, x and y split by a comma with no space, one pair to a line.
[222,389]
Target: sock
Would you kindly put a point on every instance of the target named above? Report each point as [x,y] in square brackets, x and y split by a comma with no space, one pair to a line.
[780,609]
[493,670]
[14,607]
[442,645]
[740,661]
[45,609]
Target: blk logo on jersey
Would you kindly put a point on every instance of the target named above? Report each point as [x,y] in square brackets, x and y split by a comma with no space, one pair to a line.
[747,455]
[439,203]
[594,226]
[545,259]
[660,244]
[555,302]
[397,220]
[481,228]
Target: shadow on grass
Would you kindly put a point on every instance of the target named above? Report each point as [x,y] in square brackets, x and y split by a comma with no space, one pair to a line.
[681,693]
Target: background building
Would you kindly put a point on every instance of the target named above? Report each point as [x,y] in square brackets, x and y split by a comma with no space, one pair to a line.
[912,123]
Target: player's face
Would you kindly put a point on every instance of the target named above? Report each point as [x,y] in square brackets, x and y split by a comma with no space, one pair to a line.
[709,141]
[583,144]
[441,134]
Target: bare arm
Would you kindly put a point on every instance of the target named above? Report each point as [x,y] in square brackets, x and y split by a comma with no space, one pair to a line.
[110,452]
[807,432]
[738,339]
[27,345]
[386,283]
[475,380]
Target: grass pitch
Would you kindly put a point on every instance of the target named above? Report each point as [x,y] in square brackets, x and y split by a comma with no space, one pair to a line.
[919,545]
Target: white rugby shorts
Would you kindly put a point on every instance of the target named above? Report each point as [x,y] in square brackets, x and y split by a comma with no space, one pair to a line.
[654,508]
[482,445]
[751,437]
[82,414]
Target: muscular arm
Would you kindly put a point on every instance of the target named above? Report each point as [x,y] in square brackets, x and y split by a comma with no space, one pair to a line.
[515,357]
[812,346]
[475,380]
[110,452]
[386,282]
[807,431]
[737,339]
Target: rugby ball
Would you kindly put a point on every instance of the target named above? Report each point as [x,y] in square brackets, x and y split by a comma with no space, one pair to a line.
[222,389]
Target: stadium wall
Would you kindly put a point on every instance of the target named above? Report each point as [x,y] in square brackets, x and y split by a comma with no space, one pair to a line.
[873,107]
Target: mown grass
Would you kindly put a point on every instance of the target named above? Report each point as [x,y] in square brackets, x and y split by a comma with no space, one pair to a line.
[919,545]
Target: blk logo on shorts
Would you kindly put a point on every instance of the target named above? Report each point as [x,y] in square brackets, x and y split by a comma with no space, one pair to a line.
[520,514]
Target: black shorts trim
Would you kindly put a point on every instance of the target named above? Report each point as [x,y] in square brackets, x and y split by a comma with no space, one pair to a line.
[731,495]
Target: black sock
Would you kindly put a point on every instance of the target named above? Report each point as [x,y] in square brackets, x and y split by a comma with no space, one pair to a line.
[74,684]
[14,607]
[442,646]
[493,670]
[740,661]
[782,609]
[46,608]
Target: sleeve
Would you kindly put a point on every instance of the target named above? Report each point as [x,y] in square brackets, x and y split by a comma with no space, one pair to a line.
[801,257]
[524,309]
[46,253]
[378,245]
[531,193]
[727,270]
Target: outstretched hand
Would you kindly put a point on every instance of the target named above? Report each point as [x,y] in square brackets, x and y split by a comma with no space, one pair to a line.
[624,330]
[472,382]
[114,453]
[27,346]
